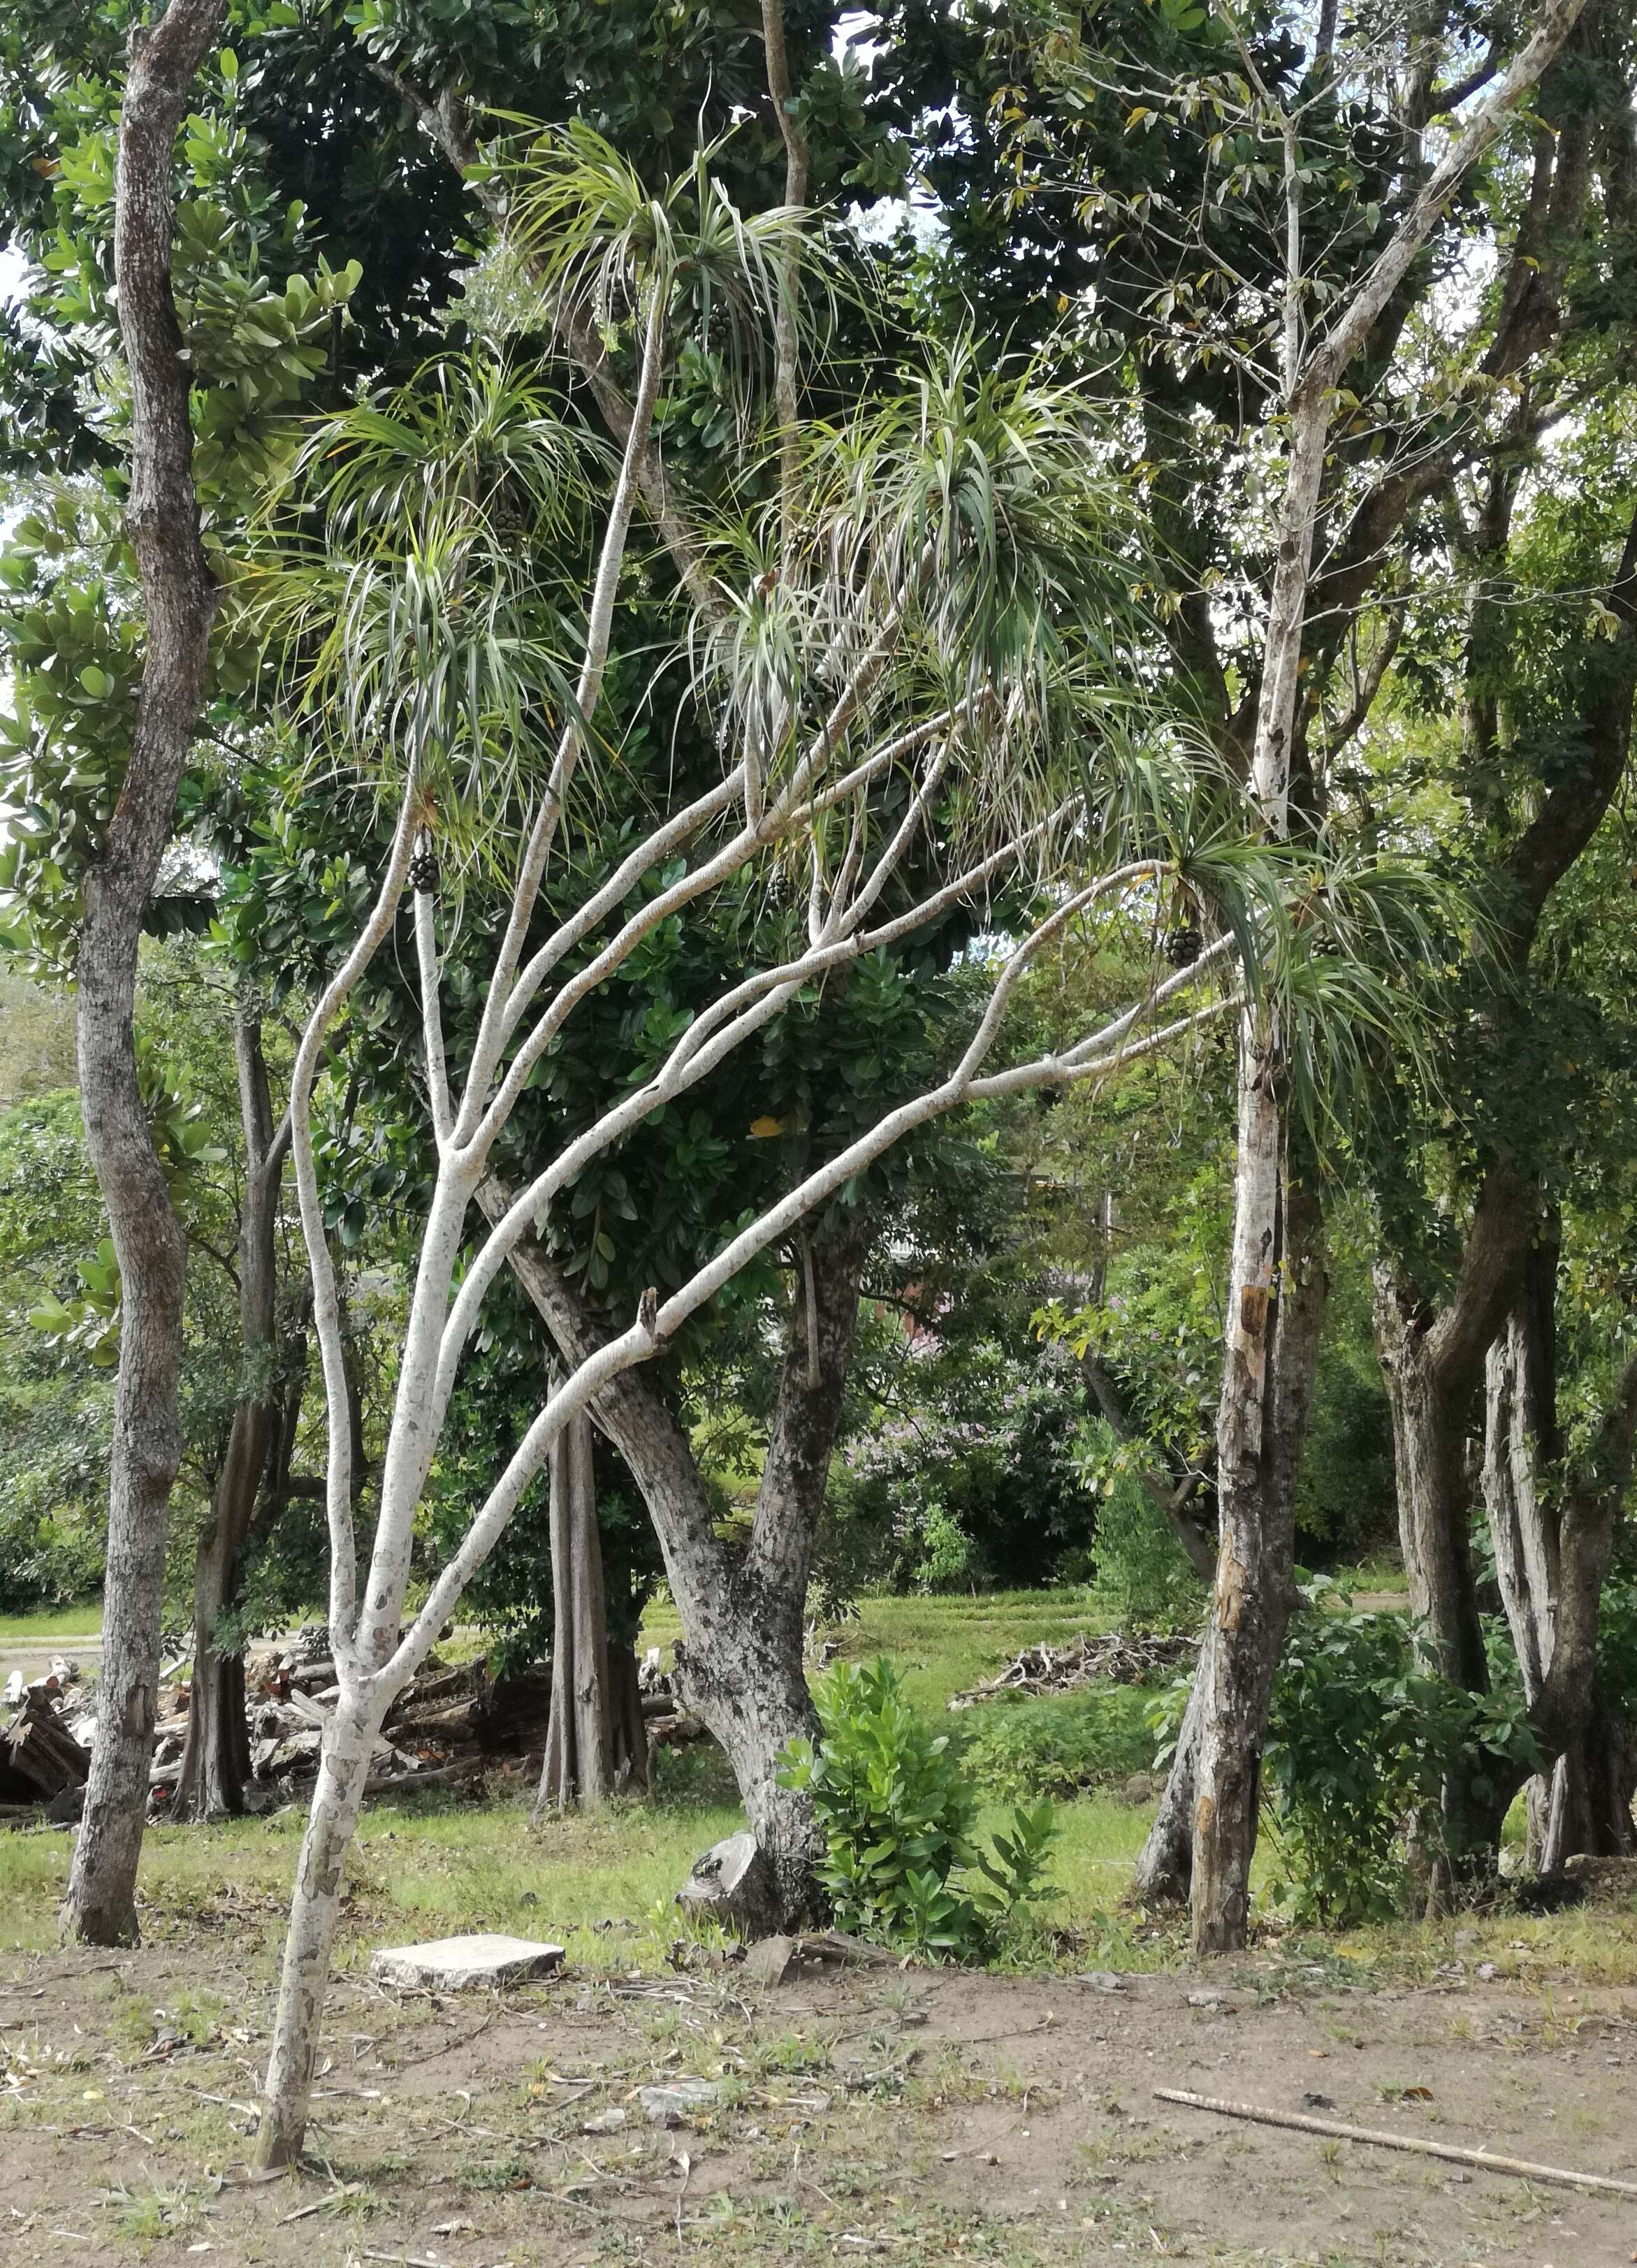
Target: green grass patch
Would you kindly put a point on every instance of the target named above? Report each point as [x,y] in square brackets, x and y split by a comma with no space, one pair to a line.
[939,1645]
[40,1628]
[1018,1751]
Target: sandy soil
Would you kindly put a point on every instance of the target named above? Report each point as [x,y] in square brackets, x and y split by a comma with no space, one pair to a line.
[911,2115]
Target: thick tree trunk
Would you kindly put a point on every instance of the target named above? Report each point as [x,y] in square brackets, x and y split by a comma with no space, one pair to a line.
[743,1618]
[162,516]
[1430,1428]
[578,1767]
[1584,1803]
[216,1760]
[1432,1362]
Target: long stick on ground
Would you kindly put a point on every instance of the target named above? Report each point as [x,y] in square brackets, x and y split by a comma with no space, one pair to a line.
[1604,2184]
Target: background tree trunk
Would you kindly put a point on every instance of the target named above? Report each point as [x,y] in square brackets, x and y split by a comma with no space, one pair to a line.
[162,516]
[579,1768]
[1165,1863]
[216,1760]
[1552,1548]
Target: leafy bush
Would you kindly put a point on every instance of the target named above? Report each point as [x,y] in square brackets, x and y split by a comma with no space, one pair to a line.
[1141,1573]
[974,1480]
[1022,1750]
[898,1814]
[1359,1739]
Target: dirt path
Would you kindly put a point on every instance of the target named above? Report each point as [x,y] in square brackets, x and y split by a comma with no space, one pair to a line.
[913,2116]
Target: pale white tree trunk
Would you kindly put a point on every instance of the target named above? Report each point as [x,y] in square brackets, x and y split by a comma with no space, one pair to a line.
[315,1909]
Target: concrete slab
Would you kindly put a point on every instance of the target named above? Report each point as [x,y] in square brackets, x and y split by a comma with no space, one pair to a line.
[461,1964]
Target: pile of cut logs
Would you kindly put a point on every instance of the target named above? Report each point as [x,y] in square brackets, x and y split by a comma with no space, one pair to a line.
[446,1728]
[45,1753]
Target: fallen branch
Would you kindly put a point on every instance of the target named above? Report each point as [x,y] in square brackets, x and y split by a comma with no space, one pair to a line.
[1108,1657]
[1604,2184]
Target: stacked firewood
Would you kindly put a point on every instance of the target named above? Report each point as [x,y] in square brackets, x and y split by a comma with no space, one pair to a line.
[44,1751]
[446,1727]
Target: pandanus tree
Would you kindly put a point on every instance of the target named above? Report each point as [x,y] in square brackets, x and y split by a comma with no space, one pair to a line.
[894,632]
[903,631]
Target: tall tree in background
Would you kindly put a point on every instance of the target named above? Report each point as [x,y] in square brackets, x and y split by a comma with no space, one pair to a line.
[179,600]
[1271,1288]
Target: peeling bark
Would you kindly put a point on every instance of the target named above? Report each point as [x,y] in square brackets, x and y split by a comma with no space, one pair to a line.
[179,600]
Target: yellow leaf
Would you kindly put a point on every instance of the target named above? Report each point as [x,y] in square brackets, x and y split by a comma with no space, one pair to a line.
[763,1130]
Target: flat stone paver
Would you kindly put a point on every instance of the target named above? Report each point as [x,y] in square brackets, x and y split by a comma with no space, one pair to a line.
[459,1964]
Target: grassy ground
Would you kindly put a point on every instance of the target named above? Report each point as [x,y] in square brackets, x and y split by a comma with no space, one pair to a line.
[1001,2117]
[942,1646]
[52,1622]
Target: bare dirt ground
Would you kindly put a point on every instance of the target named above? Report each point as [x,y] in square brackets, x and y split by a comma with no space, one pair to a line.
[912,2115]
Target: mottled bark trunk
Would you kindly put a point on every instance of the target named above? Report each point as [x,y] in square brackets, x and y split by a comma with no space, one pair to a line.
[1254,1588]
[216,1760]
[1259,1445]
[1553,1530]
[743,1617]
[579,1768]
[162,516]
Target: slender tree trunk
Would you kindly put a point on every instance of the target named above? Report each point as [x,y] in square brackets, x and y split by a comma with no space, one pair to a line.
[1254,1594]
[1254,1577]
[629,1726]
[344,1770]
[578,1766]
[215,1762]
[162,516]
[1165,1865]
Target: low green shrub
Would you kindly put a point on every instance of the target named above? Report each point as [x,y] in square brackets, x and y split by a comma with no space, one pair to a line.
[1359,1742]
[1022,1750]
[898,1814]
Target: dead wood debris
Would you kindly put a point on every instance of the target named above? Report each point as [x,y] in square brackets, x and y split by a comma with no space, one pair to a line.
[1105,1657]
[448,1727]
